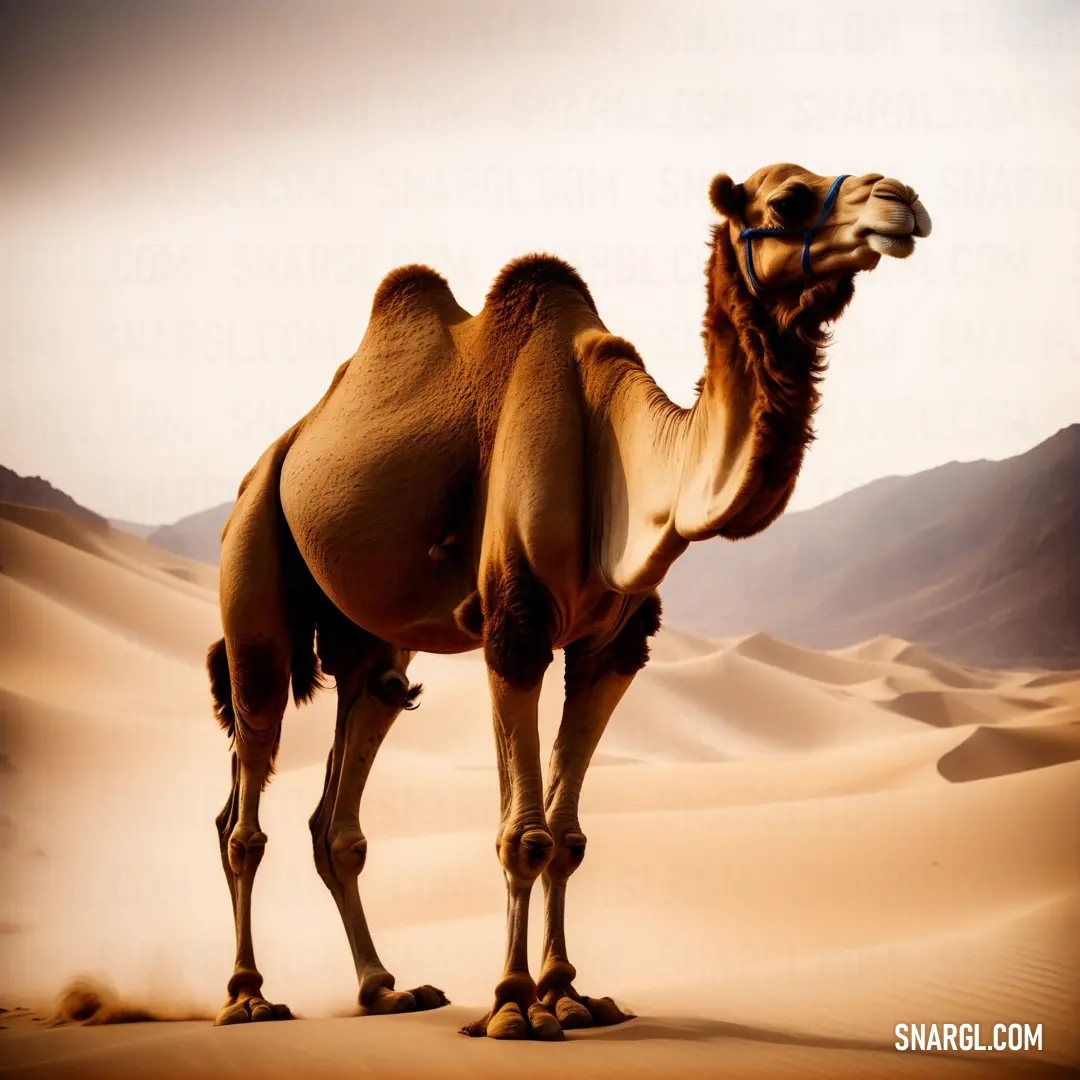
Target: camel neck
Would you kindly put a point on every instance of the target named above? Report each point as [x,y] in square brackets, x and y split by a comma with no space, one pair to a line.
[727,465]
[720,435]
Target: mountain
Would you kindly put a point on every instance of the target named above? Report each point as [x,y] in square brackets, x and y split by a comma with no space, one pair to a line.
[197,536]
[132,527]
[980,561]
[33,491]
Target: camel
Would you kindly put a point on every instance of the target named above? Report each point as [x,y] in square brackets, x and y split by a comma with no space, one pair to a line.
[515,481]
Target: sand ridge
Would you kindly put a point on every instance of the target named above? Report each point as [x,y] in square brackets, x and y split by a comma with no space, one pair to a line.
[790,851]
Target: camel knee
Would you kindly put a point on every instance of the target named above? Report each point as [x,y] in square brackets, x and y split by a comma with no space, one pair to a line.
[245,850]
[524,851]
[348,853]
[340,853]
[568,854]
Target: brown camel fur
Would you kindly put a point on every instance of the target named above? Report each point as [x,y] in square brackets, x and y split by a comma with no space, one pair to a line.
[513,481]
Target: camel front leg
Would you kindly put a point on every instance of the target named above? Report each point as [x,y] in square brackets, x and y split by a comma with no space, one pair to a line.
[595,684]
[585,716]
[524,846]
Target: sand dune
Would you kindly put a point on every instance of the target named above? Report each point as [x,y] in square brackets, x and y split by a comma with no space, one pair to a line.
[999,752]
[953,708]
[790,851]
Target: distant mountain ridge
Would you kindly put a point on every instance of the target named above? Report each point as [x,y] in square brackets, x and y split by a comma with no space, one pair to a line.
[133,527]
[197,536]
[34,491]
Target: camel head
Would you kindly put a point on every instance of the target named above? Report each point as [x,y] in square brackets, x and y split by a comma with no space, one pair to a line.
[791,226]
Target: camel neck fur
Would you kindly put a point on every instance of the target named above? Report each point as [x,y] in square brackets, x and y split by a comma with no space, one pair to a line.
[753,420]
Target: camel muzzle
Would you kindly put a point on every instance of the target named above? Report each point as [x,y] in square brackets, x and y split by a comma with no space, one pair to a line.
[892,218]
[899,209]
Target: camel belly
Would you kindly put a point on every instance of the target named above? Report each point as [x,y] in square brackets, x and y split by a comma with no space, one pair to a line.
[392,588]
[371,513]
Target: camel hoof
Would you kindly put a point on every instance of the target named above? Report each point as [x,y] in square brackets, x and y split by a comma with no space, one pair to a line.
[572,1014]
[387,1002]
[542,1024]
[260,1012]
[605,1012]
[507,1023]
[233,1014]
[476,1029]
[251,1011]
[429,997]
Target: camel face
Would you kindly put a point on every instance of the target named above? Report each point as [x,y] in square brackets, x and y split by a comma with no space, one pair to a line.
[769,215]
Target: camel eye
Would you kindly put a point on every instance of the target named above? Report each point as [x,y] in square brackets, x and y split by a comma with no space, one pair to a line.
[791,206]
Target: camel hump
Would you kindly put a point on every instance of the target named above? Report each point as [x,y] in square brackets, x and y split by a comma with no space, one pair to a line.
[407,285]
[522,283]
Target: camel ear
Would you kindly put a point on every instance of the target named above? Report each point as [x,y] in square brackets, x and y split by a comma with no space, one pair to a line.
[727,197]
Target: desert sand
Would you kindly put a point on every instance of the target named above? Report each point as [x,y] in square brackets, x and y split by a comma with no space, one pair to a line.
[790,851]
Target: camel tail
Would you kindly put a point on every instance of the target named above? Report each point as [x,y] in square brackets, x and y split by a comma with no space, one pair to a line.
[217,664]
[306,673]
[302,597]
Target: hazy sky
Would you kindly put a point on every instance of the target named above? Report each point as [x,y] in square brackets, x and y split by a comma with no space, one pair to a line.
[196,205]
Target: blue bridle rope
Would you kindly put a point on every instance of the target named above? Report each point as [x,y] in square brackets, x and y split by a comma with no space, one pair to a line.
[807,233]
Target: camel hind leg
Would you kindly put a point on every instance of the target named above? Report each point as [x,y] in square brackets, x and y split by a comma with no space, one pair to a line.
[372,690]
[249,678]
[242,842]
